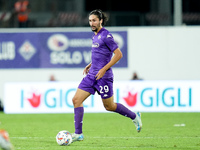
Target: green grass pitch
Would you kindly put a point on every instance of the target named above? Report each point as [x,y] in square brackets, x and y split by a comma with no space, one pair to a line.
[105,131]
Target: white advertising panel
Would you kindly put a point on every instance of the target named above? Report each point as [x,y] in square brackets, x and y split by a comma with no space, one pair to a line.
[144,96]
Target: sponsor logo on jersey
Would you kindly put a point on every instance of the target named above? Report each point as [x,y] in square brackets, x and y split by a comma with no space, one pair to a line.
[96,45]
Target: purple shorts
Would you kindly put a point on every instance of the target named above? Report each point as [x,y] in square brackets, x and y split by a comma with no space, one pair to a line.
[103,86]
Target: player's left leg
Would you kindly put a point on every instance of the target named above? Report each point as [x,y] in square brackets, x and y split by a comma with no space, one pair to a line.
[104,87]
[121,109]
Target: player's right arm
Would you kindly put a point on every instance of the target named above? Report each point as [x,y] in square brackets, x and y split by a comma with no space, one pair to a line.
[87,68]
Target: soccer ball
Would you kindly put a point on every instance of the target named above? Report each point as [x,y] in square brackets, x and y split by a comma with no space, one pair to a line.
[64,138]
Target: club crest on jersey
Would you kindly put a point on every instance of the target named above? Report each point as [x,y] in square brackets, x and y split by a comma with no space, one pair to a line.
[96,45]
[99,37]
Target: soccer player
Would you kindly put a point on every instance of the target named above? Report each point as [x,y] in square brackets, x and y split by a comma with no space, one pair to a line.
[99,75]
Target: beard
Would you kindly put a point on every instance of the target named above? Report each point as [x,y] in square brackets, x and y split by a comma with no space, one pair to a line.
[95,28]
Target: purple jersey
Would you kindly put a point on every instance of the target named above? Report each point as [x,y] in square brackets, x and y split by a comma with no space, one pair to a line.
[103,46]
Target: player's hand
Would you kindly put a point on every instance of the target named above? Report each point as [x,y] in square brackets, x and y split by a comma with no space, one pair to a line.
[100,74]
[86,70]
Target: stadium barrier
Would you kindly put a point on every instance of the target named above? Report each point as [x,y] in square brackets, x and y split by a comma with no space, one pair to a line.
[144,96]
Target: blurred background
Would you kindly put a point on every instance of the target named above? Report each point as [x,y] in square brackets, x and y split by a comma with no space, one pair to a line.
[50,40]
[74,13]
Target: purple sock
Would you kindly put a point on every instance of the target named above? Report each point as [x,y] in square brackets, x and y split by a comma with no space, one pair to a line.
[121,109]
[78,119]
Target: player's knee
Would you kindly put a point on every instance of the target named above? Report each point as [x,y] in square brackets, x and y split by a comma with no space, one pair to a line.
[109,108]
[75,100]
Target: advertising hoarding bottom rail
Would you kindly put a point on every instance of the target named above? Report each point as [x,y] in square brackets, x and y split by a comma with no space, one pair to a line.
[144,96]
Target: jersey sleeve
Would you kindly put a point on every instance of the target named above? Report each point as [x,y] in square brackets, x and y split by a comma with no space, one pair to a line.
[109,41]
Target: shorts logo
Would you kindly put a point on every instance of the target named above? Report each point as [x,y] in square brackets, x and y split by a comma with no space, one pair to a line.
[105,95]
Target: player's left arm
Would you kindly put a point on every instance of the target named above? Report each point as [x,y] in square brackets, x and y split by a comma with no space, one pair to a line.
[118,55]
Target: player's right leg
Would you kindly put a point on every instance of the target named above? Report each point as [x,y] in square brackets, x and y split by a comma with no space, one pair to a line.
[78,100]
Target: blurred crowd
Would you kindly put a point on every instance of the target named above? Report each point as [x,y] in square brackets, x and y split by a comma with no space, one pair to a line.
[73,13]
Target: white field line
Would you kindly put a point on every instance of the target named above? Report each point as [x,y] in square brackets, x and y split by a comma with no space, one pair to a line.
[111,147]
[101,137]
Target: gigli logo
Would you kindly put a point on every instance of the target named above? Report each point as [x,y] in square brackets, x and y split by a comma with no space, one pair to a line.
[156,97]
[50,98]
[35,100]
[131,99]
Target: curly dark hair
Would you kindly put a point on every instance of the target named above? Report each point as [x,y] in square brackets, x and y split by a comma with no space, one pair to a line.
[100,15]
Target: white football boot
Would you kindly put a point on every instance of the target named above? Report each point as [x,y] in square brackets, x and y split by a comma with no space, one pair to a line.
[138,122]
[77,137]
[5,143]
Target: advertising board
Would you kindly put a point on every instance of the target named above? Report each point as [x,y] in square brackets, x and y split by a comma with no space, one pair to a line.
[53,49]
[144,96]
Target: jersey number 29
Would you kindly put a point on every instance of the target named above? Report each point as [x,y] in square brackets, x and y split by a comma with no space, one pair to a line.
[104,89]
